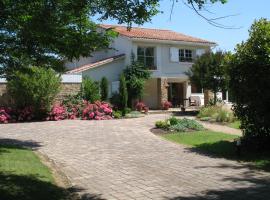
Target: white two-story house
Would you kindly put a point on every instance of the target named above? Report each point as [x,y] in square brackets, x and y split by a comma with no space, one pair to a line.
[166,53]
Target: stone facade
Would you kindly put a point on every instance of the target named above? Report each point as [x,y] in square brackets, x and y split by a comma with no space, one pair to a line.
[207,96]
[66,89]
[162,91]
[4,99]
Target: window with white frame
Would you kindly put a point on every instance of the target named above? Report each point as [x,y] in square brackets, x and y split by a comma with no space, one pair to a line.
[185,55]
[146,55]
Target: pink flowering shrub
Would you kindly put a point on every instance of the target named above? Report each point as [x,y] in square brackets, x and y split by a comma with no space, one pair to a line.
[141,107]
[166,105]
[97,111]
[4,115]
[74,111]
[57,113]
[25,114]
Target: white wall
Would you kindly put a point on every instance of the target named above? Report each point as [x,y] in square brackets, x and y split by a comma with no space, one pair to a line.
[165,67]
[111,71]
[120,45]
[123,45]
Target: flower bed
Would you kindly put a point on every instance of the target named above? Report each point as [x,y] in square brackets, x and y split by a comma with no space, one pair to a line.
[4,115]
[179,125]
[79,110]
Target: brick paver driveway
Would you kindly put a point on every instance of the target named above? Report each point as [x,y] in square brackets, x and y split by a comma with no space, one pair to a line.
[122,159]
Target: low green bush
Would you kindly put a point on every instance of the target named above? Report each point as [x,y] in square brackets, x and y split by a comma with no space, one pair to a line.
[190,124]
[173,121]
[162,124]
[179,125]
[117,114]
[128,110]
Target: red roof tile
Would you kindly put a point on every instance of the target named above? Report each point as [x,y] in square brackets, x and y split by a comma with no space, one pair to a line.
[95,64]
[156,34]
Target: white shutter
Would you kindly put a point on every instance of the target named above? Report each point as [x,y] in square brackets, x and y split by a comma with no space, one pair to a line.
[200,52]
[174,54]
[115,87]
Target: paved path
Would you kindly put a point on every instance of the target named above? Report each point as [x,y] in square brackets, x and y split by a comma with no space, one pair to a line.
[122,159]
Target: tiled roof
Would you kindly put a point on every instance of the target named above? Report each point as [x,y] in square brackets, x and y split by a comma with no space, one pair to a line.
[156,34]
[95,64]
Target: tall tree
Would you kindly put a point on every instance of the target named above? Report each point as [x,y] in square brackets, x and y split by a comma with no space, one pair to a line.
[47,32]
[249,82]
[209,72]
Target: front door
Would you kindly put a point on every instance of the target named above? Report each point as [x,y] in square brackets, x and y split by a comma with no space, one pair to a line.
[176,94]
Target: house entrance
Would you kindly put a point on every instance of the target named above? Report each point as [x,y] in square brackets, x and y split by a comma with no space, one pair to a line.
[176,94]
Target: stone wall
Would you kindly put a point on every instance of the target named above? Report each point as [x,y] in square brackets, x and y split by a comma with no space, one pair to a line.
[4,99]
[66,89]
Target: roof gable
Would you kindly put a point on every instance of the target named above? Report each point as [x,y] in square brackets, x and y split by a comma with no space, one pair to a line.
[156,34]
[95,64]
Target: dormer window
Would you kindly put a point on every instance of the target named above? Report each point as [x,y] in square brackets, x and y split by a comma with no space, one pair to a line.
[185,55]
[146,55]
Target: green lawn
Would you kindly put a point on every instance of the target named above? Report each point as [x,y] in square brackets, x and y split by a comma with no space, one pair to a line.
[24,177]
[219,145]
[235,124]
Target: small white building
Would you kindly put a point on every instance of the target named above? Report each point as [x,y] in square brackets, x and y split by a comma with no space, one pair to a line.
[168,55]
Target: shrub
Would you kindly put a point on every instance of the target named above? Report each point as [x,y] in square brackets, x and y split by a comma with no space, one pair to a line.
[104,89]
[180,125]
[208,111]
[191,124]
[57,113]
[216,113]
[179,128]
[123,94]
[128,110]
[90,90]
[74,106]
[25,114]
[141,107]
[98,111]
[162,124]
[173,121]
[36,88]
[166,105]
[116,101]
[117,114]
[4,115]
[136,74]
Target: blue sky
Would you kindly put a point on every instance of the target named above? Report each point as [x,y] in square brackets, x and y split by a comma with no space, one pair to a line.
[184,20]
